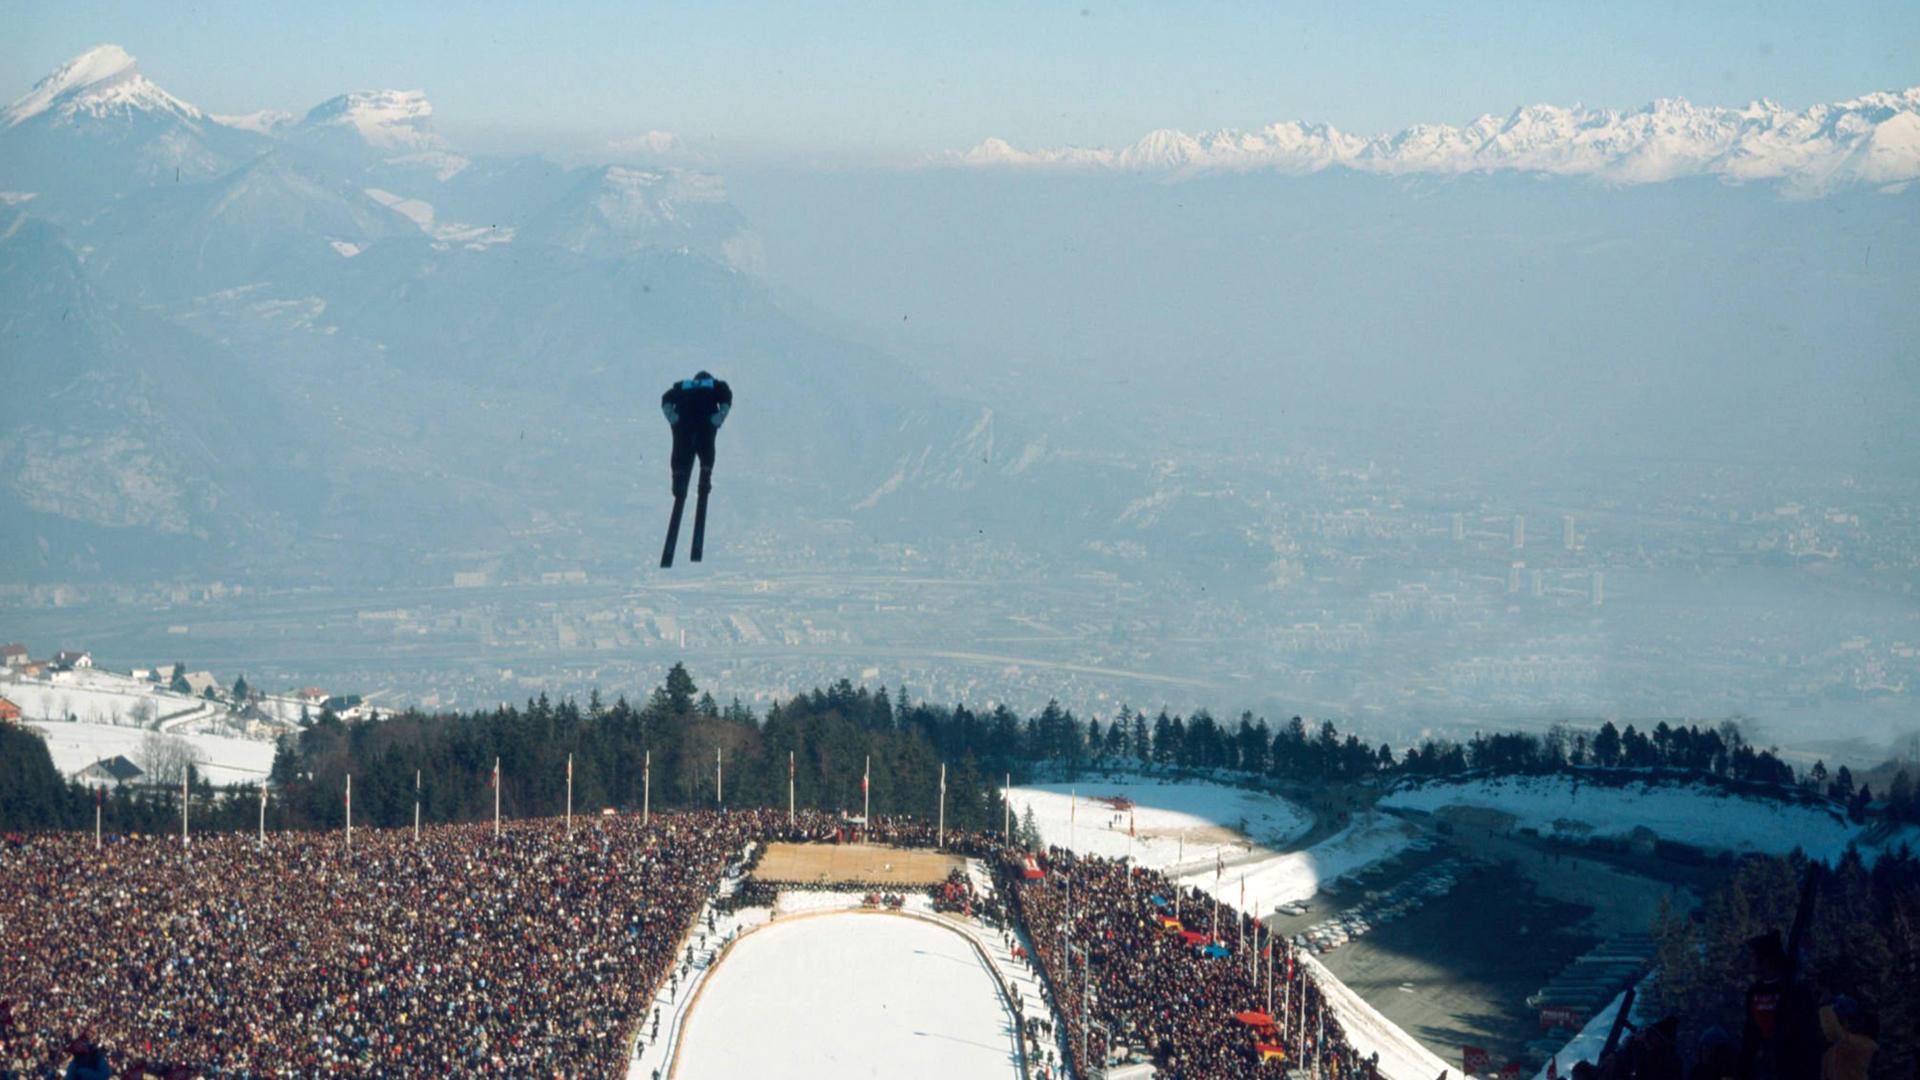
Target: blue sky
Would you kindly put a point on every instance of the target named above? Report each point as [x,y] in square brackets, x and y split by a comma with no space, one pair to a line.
[890,80]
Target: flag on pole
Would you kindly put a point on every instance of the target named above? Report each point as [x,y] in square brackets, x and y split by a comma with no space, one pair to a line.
[1129,822]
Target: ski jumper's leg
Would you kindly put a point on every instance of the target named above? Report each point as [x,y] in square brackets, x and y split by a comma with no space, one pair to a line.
[698,545]
[685,444]
[673,528]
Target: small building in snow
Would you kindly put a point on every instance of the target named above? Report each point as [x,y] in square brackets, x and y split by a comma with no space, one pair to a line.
[13,655]
[72,660]
[110,772]
[9,712]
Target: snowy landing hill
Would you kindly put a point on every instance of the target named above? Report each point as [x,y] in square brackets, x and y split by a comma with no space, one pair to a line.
[1704,815]
[1206,835]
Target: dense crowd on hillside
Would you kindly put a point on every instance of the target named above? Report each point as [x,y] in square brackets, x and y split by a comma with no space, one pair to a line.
[538,953]
[1153,989]
[534,954]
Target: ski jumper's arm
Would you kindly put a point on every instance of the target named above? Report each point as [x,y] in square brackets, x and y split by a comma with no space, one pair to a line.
[722,402]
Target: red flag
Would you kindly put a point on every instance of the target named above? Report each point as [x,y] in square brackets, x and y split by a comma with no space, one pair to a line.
[1129,821]
[863,783]
[1553,1069]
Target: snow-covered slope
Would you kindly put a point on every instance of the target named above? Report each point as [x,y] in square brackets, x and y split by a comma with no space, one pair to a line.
[96,127]
[396,120]
[1700,814]
[220,759]
[100,83]
[850,995]
[1190,829]
[1170,821]
[1874,139]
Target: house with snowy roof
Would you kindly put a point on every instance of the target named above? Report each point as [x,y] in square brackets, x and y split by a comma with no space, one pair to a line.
[71,660]
[110,772]
[13,655]
[9,712]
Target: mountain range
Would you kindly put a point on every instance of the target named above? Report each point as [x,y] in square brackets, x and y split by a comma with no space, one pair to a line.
[1874,140]
[335,347]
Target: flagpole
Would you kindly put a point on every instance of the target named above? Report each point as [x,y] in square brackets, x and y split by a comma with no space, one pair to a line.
[569,794]
[646,789]
[263,812]
[496,798]
[718,799]
[1177,887]
[1218,867]
[349,813]
[1006,807]
[416,806]
[183,813]
[97,799]
[1272,958]
[789,789]
[866,798]
[941,840]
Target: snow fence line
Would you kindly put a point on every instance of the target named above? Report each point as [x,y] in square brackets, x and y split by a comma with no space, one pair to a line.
[999,978]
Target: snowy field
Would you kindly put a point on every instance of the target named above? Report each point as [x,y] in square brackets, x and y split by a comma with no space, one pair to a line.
[1182,828]
[221,760]
[844,996]
[1697,814]
[1275,878]
[1176,825]
[97,697]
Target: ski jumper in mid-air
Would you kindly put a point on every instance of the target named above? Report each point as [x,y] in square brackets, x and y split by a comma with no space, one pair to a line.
[695,408]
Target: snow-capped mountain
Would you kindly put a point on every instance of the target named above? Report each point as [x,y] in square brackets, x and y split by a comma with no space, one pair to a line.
[100,83]
[394,120]
[96,127]
[1873,139]
[384,130]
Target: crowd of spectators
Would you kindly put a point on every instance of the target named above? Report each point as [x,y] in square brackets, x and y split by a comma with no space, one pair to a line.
[534,954]
[539,953]
[1121,977]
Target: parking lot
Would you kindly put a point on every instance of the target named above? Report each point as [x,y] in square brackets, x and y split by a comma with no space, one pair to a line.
[1448,946]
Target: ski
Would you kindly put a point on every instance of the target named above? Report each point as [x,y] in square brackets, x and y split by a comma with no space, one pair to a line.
[673,530]
[699,528]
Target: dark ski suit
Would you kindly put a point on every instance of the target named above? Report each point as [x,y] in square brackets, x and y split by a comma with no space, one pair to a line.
[696,408]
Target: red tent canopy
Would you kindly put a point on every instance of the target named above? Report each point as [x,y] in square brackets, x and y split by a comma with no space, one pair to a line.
[1254,1019]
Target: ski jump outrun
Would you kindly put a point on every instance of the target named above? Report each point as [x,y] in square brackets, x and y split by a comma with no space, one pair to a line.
[695,408]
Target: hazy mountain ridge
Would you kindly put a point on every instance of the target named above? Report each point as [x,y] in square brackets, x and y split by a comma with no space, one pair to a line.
[301,339]
[1873,139]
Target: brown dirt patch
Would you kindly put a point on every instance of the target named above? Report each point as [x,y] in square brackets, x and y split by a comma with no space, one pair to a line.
[871,864]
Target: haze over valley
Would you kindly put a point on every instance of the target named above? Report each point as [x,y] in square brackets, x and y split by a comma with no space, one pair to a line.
[1582,427]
